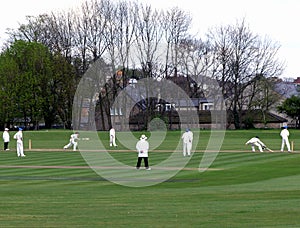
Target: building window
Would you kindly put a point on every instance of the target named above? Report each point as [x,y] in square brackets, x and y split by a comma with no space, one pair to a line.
[170,107]
[115,111]
[207,106]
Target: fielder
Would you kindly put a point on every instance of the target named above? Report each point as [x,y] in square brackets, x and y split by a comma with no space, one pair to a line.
[73,141]
[187,138]
[112,137]
[255,141]
[19,137]
[285,139]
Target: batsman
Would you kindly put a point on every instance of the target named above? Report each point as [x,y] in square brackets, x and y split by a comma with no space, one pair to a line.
[255,141]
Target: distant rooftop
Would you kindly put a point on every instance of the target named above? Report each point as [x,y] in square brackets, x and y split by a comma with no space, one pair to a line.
[287,89]
[297,81]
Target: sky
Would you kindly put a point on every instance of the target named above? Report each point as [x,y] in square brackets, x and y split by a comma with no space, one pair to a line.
[276,19]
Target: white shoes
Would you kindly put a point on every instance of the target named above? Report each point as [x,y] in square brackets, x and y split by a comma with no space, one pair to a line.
[138,168]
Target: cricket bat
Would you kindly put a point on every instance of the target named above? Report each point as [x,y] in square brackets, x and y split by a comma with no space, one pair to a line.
[269,149]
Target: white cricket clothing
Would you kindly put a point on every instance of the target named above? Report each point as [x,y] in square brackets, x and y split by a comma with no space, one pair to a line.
[20,150]
[142,147]
[112,137]
[256,142]
[285,139]
[187,138]
[73,141]
[5,136]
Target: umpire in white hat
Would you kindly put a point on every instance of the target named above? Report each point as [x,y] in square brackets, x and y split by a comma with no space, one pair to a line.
[6,138]
[142,147]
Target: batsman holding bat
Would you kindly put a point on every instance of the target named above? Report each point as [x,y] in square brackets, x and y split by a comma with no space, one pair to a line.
[255,141]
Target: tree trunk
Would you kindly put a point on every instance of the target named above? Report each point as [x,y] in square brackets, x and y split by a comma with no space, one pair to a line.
[236,119]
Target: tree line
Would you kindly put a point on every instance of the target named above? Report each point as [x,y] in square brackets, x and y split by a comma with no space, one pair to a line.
[45,58]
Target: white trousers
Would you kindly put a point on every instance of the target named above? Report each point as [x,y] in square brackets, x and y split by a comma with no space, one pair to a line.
[20,150]
[187,147]
[285,141]
[258,145]
[112,141]
[72,142]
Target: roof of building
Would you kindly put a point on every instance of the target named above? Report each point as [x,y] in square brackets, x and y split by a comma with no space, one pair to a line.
[286,89]
[297,81]
[205,117]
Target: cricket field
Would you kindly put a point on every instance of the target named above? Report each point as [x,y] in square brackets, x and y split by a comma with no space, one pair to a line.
[52,187]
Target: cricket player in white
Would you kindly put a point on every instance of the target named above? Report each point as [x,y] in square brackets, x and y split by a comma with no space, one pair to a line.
[112,137]
[255,141]
[73,141]
[142,147]
[187,138]
[285,139]
[19,137]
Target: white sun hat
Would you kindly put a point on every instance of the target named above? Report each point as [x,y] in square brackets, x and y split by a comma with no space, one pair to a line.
[143,137]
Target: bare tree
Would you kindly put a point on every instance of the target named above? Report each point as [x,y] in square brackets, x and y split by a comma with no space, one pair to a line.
[195,58]
[97,21]
[220,70]
[34,29]
[148,38]
[54,30]
[90,26]
[62,33]
[240,57]
[176,24]
[262,95]
[120,37]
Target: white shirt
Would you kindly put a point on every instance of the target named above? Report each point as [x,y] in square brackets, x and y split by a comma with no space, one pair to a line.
[285,133]
[112,132]
[255,140]
[19,136]
[187,137]
[74,137]
[5,136]
[142,147]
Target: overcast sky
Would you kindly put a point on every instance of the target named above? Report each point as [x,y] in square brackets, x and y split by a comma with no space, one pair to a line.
[277,19]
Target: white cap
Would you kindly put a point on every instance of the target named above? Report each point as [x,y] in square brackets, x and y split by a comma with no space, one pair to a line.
[6,129]
[143,137]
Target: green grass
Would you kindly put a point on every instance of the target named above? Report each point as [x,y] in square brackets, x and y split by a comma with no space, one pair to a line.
[248,189]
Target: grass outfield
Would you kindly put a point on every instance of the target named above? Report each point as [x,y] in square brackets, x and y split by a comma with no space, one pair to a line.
[56,188]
